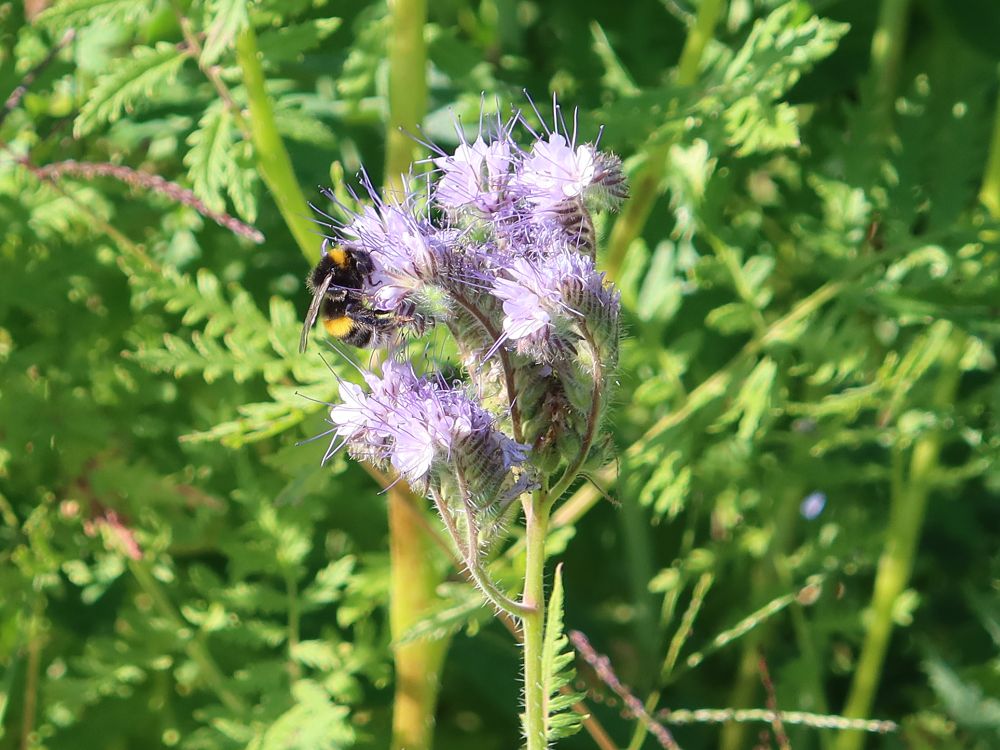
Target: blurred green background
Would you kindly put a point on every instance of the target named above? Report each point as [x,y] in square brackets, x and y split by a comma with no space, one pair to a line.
[809,265]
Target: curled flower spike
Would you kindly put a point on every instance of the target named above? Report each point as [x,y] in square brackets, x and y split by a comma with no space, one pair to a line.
[423,427]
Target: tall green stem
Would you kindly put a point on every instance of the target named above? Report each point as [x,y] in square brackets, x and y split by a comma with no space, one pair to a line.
[646,184]
[533,624]
[407,87]
[906,519]
[195,647]
[413,579]
[888,42]
[989,194]
[411,591]
[272,157]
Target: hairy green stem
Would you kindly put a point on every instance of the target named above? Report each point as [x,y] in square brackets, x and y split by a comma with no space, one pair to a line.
[908,507]
[272,157]
[646,184]
[533,624]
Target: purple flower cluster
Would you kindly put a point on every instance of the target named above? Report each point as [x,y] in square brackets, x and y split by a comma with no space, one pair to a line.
[417,425]
[498,246]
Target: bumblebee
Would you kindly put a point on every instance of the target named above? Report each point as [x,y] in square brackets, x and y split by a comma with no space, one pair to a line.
[336,283]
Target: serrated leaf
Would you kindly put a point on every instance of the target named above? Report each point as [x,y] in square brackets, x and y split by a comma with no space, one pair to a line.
[227,19]
[775,55]
[754,401]
[76,13]
[242,187]
[313,723]
[557,670]
[210,162]
[131,79]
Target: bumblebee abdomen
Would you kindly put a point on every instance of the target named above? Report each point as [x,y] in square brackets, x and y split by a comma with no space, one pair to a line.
[339,326]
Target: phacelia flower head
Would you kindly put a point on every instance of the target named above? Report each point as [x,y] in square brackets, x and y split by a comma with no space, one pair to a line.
[546,301]
[500,237]
[424,427]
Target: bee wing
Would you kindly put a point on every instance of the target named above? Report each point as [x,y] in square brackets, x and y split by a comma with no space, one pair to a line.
[311,316]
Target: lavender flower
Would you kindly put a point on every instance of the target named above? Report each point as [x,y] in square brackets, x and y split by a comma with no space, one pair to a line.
[422,426]
[475,176]
[554,172]
[546,300]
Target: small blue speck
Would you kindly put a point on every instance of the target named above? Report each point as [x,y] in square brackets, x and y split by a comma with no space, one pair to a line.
[813,505]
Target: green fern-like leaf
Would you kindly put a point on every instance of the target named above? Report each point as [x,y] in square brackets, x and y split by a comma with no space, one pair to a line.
[210,162]
[289,42]
[963,699]
[227,19]
[557,671]
[130,80]
[774,57]
[462,607]
[77,13]
[314,722]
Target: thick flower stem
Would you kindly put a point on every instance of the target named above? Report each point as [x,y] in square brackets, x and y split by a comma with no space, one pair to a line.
[906,519]
[533,624]
[413,579]
[407,88]
[886,53]
[411,590]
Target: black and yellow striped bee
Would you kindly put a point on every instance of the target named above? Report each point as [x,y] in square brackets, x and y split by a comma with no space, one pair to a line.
[336,284]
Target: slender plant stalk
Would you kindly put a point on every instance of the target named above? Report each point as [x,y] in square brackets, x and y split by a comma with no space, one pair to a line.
[537,521]
[906,519]
[888,42]
[292,592]
[407,87]
[762,579]
[195,647]
[989,194]
[413,579]
[646,184]
[32,669]
[272,157]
